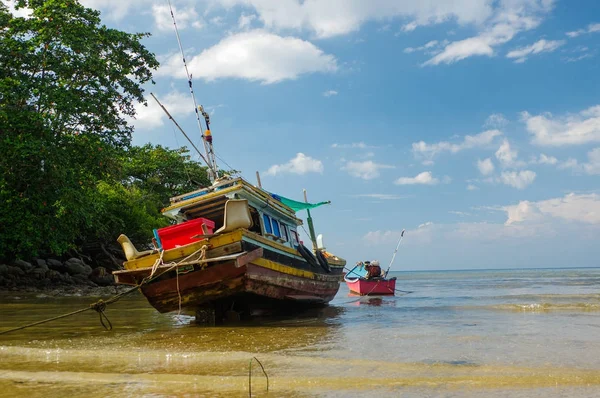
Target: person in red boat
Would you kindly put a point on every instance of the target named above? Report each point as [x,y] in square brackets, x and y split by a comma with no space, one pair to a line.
[373,269]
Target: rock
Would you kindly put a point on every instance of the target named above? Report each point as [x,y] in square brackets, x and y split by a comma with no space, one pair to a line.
[15,271]
[53,274]
[75,266]
[38,273]
[66,279]
[81,279]
[55,265]
[40,263]
[3,269]
[24,265]
[102,277]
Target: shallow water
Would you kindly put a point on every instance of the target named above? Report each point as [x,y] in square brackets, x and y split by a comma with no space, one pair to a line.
[513,333]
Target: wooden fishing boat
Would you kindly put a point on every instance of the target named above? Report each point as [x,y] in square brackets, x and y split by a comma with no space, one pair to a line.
[367,279]
[235,248]
[372,287]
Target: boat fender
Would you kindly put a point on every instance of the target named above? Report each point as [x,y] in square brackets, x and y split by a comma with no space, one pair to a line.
[323,261]
[307,255]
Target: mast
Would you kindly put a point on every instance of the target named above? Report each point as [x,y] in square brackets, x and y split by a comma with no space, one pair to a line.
[311,227]
[213,170]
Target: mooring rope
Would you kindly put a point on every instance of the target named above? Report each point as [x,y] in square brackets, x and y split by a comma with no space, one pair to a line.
[100,305]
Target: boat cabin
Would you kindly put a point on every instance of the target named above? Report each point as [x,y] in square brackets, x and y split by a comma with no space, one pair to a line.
[224,207]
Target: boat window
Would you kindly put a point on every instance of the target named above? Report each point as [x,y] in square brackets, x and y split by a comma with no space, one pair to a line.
[267,222]
[284,233]
[276,231]
[294,238]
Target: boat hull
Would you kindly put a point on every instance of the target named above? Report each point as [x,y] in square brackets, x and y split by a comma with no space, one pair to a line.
[372,287]
[238,271]
[226,282]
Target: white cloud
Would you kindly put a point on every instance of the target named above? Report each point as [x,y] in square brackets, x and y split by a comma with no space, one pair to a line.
[152,116]
[583,208]
[538,47]
[359,145]
[366,170]
[495,121]
[486,167]
[547,232]
[569,164]
[255,55]
[507,156]
[591,28]
[544,159]
[510,18]
[424,178]
[459,213]
[20,13]
[301,164]
[245,21]
[184,17]
[338,17]
[382,237]
[115,9]
[421,235]
[581,128]
[518,179]
[592,167]
[431,47]
[470,141]
[330,93]
[472,187]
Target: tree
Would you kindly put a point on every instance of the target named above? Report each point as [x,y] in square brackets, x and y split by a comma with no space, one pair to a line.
[67,86]
[132,204]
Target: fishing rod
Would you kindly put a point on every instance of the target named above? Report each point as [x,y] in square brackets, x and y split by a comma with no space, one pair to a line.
[394,256]
[180,129]
[206,136]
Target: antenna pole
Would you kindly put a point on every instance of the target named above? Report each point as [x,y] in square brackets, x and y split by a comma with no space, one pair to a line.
[180,129]
[206,137]
[258,179]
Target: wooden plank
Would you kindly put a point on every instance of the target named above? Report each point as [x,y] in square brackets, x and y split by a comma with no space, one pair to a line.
[247,257]
[185,203]
[148,270]
[224,250]
[216,241]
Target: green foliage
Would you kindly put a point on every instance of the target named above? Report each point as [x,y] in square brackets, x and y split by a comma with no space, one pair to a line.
[67,86]
[132,204]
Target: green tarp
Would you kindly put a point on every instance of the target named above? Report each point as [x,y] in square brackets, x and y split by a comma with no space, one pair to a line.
[297,206]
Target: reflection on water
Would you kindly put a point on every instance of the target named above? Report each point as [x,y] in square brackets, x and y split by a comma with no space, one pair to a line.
[495,333]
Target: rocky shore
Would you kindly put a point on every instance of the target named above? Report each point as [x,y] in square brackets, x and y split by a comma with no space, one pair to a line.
[57,278]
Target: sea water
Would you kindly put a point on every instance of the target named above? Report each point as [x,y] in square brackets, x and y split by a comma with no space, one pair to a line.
[492,333]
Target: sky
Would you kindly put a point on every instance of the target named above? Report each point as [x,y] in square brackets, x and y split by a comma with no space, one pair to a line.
[472,124]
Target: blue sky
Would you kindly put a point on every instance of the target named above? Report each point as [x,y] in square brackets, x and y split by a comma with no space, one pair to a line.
[472,124]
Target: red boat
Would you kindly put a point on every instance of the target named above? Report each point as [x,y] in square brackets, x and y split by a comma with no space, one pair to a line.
[372,287]
[367,279]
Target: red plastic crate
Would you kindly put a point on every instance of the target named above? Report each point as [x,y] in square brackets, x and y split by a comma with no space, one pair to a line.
[182,234]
